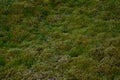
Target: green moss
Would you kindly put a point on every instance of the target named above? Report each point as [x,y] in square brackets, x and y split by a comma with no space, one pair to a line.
[60,39]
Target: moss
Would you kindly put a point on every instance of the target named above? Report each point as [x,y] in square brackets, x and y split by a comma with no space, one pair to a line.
[60,39]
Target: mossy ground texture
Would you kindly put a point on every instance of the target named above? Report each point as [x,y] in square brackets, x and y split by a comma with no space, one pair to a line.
[59,39]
